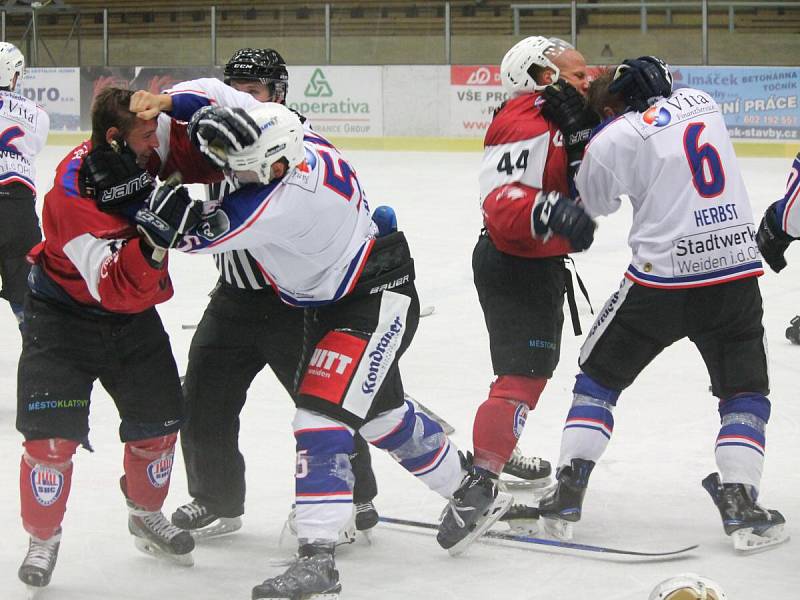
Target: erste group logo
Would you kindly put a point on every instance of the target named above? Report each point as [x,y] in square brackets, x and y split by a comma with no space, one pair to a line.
[480,75]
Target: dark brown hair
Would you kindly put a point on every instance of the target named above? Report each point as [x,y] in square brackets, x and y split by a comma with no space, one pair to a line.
[599,97]
[111,109]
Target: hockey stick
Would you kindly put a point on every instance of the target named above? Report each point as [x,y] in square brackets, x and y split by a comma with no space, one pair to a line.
[425,312]
[530,543]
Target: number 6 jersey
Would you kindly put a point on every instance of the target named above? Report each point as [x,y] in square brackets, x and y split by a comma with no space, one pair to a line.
[692,220]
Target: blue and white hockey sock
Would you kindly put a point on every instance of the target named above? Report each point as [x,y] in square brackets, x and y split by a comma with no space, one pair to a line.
[419,444]
[324,477]
[742,439]
[590,423]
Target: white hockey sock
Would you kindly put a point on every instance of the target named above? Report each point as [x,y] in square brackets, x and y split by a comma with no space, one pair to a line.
[587,430]
[419,444]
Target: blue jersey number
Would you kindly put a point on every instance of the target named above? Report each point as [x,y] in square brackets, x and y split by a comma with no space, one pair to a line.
[340,182]
[708,175]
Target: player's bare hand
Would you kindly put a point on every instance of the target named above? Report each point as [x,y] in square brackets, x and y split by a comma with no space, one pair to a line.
[147,105]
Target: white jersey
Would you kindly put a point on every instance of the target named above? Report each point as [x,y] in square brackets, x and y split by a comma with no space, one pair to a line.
[310,233]
[692,220]
[24,126]
[788,208]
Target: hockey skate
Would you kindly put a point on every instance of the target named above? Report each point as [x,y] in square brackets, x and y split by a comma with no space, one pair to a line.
[288,537]
[201,523]
[156,536]
[366,517]
[793,331]
[533,473]
[37,567]
[312,575]
[751,527]
[561,507]
[473,508]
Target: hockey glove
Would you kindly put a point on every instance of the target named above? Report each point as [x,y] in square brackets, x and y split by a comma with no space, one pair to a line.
[170,213]
[772,240]
[110,175]
[642,81]
[557,213]
[565,107]
[218,130]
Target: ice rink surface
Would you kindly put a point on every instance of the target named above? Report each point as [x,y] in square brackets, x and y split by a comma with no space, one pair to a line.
[645,494]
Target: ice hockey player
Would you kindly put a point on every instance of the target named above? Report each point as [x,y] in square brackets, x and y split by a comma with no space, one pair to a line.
[361,310]
[90,315]
[779,227]
[688,586]
[693,274]
[518,263]
[245,327]
[25,125]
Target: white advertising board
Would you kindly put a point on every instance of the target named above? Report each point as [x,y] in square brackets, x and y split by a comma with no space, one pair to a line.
[339,100]
[58,91]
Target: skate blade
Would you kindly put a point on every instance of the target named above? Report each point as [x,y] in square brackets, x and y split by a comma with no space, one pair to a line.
[219,528]
[147,547]
[745,541]
[367,535]
[32,591]
[558,528]
[498,508]
[533,485]
[523,527]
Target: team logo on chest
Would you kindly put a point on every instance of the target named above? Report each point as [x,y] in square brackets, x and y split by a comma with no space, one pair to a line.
[159,470]
[47,484]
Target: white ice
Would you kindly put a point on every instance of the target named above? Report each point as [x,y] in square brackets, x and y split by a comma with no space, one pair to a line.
[645,494]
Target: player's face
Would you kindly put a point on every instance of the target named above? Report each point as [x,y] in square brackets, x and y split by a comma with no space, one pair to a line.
[142,140]
[256,89]
[573,70]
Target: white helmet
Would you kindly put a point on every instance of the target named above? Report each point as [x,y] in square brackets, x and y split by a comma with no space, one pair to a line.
[281,137]
[688,586]
[11,63]
[515,70]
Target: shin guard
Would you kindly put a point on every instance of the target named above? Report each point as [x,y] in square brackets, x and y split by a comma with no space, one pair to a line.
[501,419]
[148,466]
[590,422]
[45,478]
[742,439]
[419,444]
[324,477]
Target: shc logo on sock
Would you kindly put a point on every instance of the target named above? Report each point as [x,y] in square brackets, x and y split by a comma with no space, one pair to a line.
[47,484]
[159,470]
[520,416]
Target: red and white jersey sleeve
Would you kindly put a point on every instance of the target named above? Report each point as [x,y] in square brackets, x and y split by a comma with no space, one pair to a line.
[24,126]
[95,257]
[692,220]
[523,155]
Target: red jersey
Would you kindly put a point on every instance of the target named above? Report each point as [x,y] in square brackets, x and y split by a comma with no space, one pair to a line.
[523,155]
[96,257]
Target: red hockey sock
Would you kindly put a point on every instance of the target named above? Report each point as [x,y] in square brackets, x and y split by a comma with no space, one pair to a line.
[501,419]
[45,478]
[148,465]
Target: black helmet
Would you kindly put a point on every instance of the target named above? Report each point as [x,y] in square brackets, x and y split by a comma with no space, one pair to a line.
[260,64]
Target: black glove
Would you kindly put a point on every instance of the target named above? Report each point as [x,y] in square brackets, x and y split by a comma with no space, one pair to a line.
[219,130]
[561,215]
[772,240]
[642,81]
[110,175]
[565,107]
[170,213]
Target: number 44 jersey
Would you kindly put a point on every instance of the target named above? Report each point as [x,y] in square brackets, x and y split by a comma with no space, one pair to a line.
[692,220]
